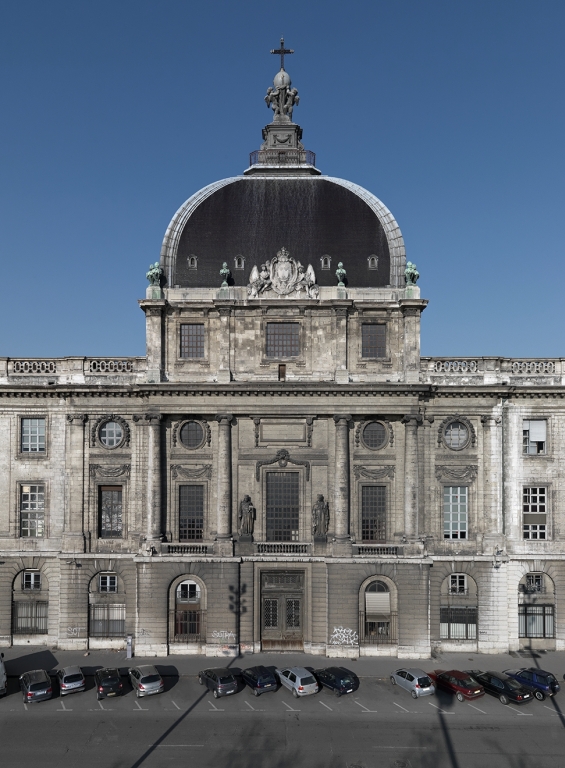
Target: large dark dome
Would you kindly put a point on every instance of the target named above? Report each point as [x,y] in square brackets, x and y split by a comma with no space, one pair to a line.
[255,216]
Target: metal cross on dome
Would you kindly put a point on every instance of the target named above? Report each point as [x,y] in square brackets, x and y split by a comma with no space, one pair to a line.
[282,51]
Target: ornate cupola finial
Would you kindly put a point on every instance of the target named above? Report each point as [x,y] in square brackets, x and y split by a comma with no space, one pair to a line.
[282,51]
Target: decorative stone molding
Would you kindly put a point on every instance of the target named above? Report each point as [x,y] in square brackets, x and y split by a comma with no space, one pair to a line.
[533,366]
[361,426]
[224,311]
[203,423]
[464,474]
[110,417]
[102,470]
[376,473]
[257,424]
[282,459]
[110,366]
[456,366]
[415,419]
[34,366]
[449,420]
[309,430]
[191,473]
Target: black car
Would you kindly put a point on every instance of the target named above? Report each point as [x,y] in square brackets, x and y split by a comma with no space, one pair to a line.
[338,679]
[220,681]
[543,683]
[36,686]
[260,680]
[505,688]
[108,683]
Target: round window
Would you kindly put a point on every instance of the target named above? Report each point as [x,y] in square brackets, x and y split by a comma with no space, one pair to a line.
[456,435]
[192,434]
[111,434]
[375,435]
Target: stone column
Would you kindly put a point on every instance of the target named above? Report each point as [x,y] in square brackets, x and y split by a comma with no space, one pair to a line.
[73,533]
[154,310]
[411,475]
[341,371]
[153,510]
[411,311]
[224,544]
[341,479]
[224,370]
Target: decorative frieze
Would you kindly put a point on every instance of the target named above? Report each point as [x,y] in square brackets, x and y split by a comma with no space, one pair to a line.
[103,470]
[373,473]
[458,474]
[282,458]
[191,473]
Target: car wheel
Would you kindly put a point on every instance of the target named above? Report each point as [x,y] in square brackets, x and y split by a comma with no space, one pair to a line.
[137,693]
[201,681]
[392,680]
[503,698]
[540,695]
[337,693]
[216,694]
[256,692]
[414,695]
[295,693]
[459,696]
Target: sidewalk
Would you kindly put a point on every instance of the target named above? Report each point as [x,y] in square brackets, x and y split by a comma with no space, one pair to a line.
[20,659]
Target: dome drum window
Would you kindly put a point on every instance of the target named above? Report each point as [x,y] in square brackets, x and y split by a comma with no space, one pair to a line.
[456,433]
[239,262]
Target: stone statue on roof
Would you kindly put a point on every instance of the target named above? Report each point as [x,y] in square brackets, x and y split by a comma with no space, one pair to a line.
[155,274]
[411,273]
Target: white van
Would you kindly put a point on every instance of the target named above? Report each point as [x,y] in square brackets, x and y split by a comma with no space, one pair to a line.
[3,677]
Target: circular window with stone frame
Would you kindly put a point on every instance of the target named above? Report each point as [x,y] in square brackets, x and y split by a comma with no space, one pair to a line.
[375,435]
[192,435]
[111,434]
[456,435]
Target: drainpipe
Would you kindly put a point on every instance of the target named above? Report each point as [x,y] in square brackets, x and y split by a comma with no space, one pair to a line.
[503,403]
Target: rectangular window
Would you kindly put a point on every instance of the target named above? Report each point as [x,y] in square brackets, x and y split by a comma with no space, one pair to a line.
[33,436]
[455,515]
[107,620]
[110,512]
[534,512]
[534,436]
[191,512]
[108,582]
[31,580]
[283,339]
[373,513]
[282,506]
[534,582]
[192,340]
[458,623]
[373,340]
[32,511]
[458,584]
[29,617]
[535,621]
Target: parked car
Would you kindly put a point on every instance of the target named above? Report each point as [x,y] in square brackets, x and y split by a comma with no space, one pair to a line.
[505,688]
[459,683]
[220,681]
[3,677]
[71,680]
[414,680]
[337,679]
[543,683]
[108,683]
[260,680]
[298,680]
[145,680]
[36,686]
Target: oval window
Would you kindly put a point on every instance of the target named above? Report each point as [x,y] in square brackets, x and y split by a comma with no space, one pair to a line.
[375,435]
[456,435]
[192,434]
[111,434]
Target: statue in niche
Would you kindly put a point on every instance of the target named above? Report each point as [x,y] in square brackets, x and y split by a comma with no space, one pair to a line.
[155,274]
[284,276]
[320,517]
[247,515]
[411,273]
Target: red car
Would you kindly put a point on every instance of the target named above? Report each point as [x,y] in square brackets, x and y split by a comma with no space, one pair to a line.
[459,683]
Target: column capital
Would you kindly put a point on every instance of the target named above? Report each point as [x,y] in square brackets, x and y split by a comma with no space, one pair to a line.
[224,311]
[339,417]
[413,419]
[77,418]
[224,418]
[148,419]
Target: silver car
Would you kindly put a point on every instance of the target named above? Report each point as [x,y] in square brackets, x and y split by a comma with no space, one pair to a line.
[71,680]
[298,680]
[414,680]
[145,680]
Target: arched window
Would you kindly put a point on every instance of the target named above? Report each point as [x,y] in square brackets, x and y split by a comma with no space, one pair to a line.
[326,262]
[458,610]
[379,622]
[239,262]
[188,624]
[373,262]
[192,262]
[188,592]
[536,608]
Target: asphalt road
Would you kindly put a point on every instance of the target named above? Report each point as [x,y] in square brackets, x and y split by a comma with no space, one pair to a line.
[378,726]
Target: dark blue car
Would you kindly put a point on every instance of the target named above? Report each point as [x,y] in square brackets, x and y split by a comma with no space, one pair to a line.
[542,683]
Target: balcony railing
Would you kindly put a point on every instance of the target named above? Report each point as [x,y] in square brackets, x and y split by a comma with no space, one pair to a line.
[282,548]
[378,630]
[185,549]
[376,551]
[282,157]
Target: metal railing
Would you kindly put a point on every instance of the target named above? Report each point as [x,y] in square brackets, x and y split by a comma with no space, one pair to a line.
[282,157]
[378,630]
[187,625]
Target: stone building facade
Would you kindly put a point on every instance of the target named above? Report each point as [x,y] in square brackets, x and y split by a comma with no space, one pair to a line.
[282,470]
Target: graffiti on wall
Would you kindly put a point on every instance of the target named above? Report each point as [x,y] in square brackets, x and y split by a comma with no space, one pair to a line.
[223,634]
[344,636]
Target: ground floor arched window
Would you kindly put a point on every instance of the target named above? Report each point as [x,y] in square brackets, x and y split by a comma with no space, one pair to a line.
[189,617]
[378,621]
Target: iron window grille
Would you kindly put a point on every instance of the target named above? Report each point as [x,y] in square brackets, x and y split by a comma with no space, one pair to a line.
[534,512]
[108,582]
[378,630]
[107,620]
[110,512]
[29,617]
[455,514]
[188,592]
[32,511]
[536,621]
[31,580]
[283,509]
[191,512]
[189,625]
[373,512]
[534,433]
[32,438]
[373,340]
[458,623]
[283,340]
[192,340]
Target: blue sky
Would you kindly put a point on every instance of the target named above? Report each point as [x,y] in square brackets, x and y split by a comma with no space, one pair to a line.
[116,111]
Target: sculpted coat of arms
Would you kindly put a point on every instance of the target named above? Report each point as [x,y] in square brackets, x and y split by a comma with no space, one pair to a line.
[284,276]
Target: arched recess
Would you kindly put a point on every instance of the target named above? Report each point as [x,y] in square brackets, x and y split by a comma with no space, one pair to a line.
[459,601]
[187,613]
[378,612]
[106,609]
[30,605]
[536,609]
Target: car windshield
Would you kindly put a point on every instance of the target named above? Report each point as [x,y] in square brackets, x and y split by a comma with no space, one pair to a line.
[110,681]
[224,680]
[345,680]
[546,679]
[150,679]
[72,678]
[514,684]
[38,686]
[424,682]
[265,679]
[307,680]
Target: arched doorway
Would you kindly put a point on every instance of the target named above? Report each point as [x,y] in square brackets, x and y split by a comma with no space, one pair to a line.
[458,610]
[187,614]
[106,611]
[30,606]
[378,618]
[536,611]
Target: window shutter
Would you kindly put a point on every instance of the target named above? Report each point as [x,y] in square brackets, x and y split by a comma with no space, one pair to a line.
[538,431]
[377,602]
